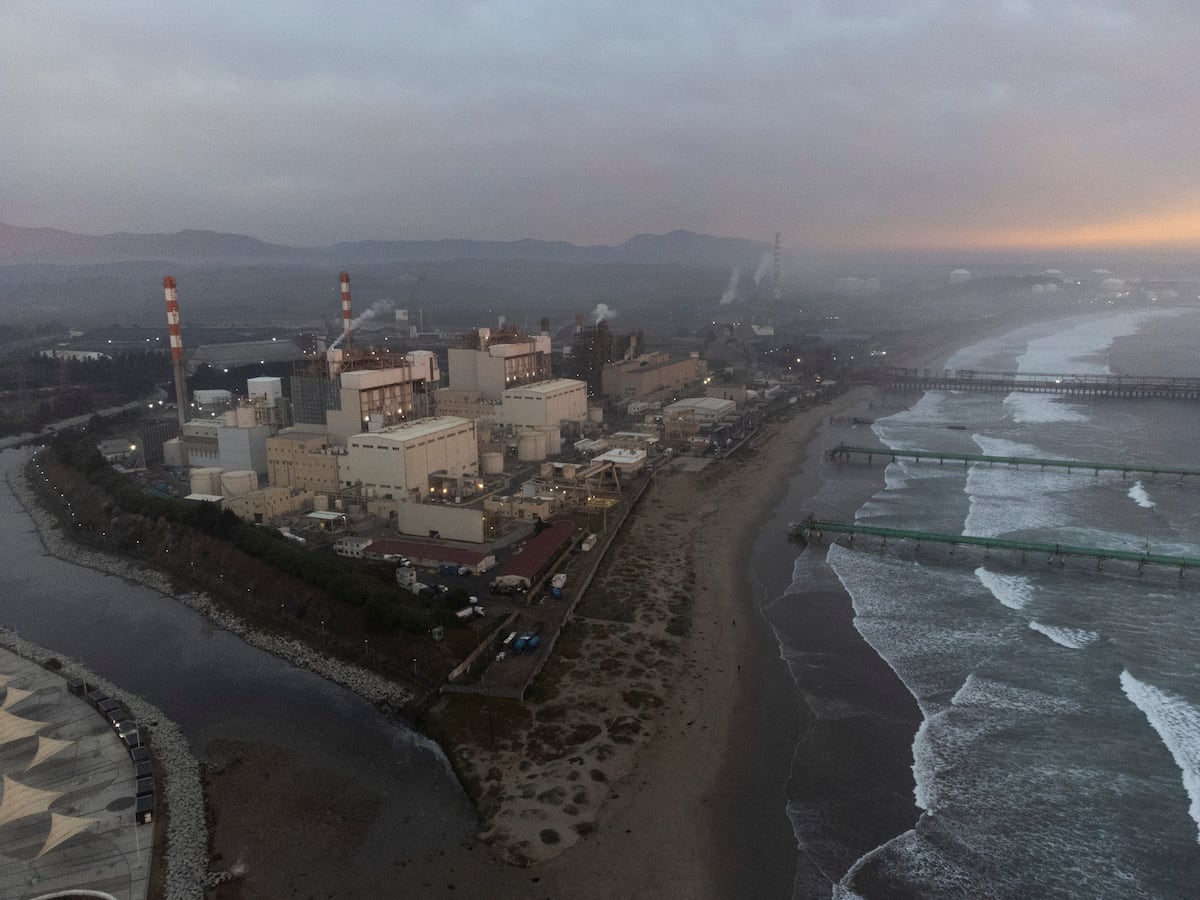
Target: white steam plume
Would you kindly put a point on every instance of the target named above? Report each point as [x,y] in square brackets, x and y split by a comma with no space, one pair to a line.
[764,266]
[601,312]
[376,308]
[731,289]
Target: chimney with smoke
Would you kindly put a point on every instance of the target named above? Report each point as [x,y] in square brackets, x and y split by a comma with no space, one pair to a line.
[601,312]
[347,318]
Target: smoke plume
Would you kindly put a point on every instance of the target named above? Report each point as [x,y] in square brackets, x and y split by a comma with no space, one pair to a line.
[376,308]
[764,266]
[601,312]
[731,290]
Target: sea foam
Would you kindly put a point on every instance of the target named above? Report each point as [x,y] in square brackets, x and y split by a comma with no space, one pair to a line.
[1039,409]
[1138,495]
[1014,591]
[987,693]
[1072,638]
[1178,724]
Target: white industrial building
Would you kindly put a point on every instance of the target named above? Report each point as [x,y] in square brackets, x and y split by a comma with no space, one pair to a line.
[371,399]
[544,403]
[627,462]
[704,410]
[401,461]
[497,361]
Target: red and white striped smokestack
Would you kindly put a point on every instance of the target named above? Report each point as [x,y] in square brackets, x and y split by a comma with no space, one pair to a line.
[347,316]
[173,319]
[176,339]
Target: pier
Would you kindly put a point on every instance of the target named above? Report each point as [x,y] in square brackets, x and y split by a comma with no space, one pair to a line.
[1137,387]
[843,452]
[815,529]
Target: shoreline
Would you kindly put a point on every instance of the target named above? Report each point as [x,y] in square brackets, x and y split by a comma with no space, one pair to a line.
[861,718]
[671,824]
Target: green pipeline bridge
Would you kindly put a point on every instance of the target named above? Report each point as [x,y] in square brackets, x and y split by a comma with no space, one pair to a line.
[1139,387]
[812,529]
[843,452]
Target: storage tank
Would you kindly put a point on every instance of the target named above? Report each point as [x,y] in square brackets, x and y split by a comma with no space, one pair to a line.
[206,480]
[596,414]
[245,416]
[531,446]
[491,463]
[553,439]
[237,482]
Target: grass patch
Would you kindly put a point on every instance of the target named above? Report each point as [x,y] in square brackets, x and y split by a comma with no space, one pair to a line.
[602,605]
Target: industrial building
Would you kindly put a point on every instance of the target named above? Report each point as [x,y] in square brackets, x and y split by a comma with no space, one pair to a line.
[269,504]
[626,462]
[704,410]
[297,459]
[651,376]
[403,461]
[492,362]
[423,554]
[235,438]
[546,403]
[540,552]
[448,521]
[349,391]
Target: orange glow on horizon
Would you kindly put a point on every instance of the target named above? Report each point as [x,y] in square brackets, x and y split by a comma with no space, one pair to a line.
[1178,229]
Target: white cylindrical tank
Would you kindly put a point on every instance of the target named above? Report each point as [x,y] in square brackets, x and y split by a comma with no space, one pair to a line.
[553,439]
[206,480]
[237,482]
[531,446]
[596,414]
[245,416]
[321,503]
[491,463]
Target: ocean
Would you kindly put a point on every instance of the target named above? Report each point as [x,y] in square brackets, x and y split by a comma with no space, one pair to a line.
[1057,750]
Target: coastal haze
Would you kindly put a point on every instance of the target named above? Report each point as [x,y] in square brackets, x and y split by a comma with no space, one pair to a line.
[795,196]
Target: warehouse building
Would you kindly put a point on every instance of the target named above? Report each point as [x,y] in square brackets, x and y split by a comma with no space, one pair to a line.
[546,403]
[403,461]
[651,376]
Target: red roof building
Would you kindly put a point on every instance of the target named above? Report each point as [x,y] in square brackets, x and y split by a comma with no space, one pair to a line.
[430,554]
[541,551]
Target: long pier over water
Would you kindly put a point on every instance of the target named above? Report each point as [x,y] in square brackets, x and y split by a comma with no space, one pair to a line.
[1138,387]
[815,529]
[843,452]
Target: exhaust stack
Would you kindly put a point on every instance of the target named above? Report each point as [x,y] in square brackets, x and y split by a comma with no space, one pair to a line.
[347,317]
[176,338]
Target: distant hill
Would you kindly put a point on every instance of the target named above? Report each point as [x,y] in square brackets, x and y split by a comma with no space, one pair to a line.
[52,246]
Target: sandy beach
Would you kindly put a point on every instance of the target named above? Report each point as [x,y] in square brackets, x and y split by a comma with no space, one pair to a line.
[652,756]
[633,769]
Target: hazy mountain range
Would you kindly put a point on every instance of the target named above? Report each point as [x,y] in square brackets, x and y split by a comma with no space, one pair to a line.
[55,247]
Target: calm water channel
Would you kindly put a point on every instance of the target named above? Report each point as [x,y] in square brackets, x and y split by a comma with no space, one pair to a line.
[218,688]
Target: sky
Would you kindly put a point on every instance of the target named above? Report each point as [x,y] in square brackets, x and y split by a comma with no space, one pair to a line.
[843,124]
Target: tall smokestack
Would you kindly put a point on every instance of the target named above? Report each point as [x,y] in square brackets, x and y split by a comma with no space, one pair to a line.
[176,350]
[347,317]
[776,287]
[545,325]
[578,323]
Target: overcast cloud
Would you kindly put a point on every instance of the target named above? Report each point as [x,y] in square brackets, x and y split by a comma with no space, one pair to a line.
[847,123]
